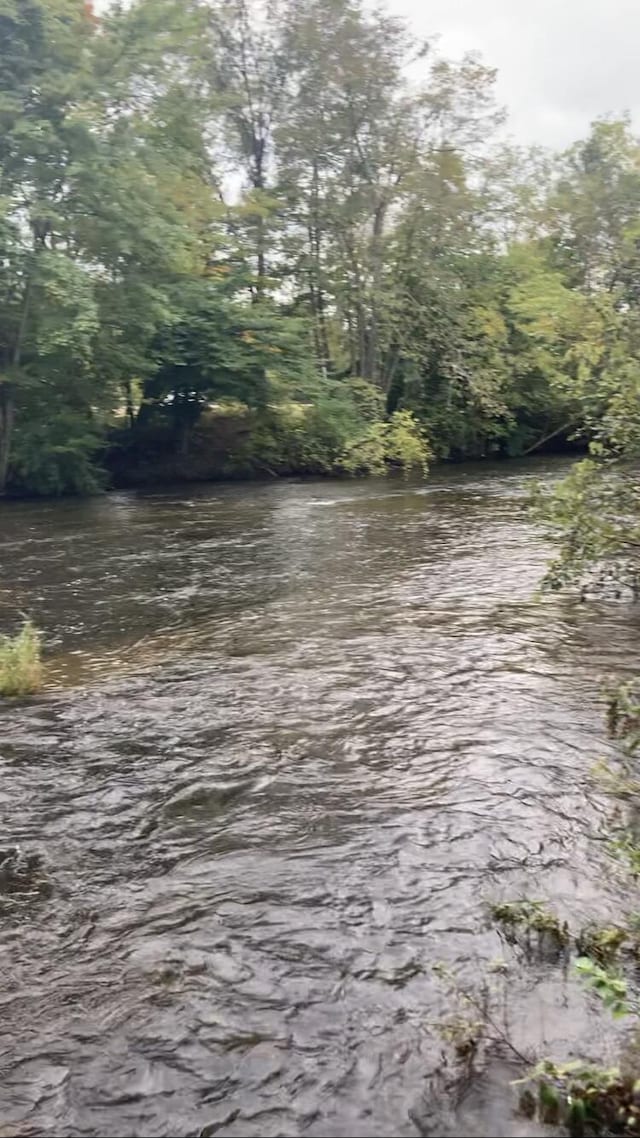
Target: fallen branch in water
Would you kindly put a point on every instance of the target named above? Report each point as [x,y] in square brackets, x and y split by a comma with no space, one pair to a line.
[548,438]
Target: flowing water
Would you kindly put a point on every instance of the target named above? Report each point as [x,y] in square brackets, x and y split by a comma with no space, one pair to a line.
[296,738]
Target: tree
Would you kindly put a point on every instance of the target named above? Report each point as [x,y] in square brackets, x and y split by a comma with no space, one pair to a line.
[595,512]
[43,80]
[595,207]
[358,148]
[106,205]
[248,73]
[212,347]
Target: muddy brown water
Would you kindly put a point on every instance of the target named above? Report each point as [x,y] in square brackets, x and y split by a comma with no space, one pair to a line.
[296,738]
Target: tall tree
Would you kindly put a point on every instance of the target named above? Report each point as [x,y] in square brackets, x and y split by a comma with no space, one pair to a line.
[44,81]
[357,145]
[248,71]
[596,203]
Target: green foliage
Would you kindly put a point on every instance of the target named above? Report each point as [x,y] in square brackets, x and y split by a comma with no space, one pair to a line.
[623,713]
[594,514]
[615,781]
[627,849]
[57,454]
[601,943]
[608,986]
[398,442]
[334,435]
[100,217]
[294,438]
[586,1099]
[20,662]
[366,454]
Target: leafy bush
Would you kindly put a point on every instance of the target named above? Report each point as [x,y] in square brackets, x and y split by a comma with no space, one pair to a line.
[367,453]
[56,456]
[397,442]
[20,662]
[292,439]
[582,1097]
[406,445]
[343,432]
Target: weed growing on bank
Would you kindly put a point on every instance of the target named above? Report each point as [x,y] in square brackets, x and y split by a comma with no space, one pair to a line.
[21,662]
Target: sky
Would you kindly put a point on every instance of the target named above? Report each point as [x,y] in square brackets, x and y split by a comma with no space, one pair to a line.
[561,63]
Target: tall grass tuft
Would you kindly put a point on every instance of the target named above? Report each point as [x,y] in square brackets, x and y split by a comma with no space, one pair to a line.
[20,661]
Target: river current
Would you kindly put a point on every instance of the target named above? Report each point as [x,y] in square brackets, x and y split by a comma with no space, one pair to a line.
[296,738]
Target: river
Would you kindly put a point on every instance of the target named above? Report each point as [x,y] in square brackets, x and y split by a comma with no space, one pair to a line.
[296,738]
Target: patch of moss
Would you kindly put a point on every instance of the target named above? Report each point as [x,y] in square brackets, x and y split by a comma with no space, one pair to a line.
[531,916]
[601,942]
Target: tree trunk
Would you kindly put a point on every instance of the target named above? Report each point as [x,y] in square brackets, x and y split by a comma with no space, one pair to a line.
[317,347]
[262,263]
[7,414]
[316,298]
[362,340]
[388,372]
[327,365]
[370,369]
[356,302]
[258,181]
[353,350]
[129,402]
[315,241]
[7,390]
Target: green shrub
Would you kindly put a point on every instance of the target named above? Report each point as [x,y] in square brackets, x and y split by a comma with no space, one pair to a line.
[57,455]
[397,442]
[20,662]
[343,432]
[583,1098]
[367,453]
[406,445]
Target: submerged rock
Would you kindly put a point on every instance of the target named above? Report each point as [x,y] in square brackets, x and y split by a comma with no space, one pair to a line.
[23,874]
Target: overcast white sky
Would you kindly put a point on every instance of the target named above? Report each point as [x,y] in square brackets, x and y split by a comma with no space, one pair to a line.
[561,63]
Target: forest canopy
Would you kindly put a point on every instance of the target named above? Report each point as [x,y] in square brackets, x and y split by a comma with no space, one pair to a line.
[240,237]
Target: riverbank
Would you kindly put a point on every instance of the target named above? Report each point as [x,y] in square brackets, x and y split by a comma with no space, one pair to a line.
[349,436]
[240,447]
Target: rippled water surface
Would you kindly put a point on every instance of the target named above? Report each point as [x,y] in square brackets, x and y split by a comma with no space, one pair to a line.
[295,739]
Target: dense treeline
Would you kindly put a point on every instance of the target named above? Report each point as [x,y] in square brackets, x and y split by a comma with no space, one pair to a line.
[242,236]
